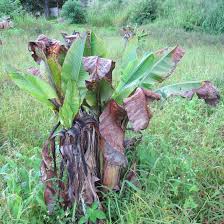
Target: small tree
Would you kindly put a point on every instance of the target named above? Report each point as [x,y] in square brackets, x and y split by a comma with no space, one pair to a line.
[74,11]
[86,149]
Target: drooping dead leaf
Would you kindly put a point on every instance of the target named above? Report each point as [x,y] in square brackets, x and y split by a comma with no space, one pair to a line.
[79,169]
[112,131]
[98,68]
[137,109]
[48,174]
[48,47]
[207,91]
[111,125]
[114,157]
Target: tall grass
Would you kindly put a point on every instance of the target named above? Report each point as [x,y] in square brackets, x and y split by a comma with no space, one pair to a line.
[197,15]
[110,13]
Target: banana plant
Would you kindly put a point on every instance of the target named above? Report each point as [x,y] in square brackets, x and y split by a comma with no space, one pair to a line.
[86,148]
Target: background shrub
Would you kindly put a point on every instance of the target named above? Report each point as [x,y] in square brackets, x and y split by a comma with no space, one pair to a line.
[74,11]
[143,11]
[10,8]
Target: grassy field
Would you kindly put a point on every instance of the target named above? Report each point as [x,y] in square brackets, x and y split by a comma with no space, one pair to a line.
[180,159]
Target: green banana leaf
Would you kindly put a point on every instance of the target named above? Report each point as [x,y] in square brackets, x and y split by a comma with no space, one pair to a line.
[73,79]
[153,68]
[55,69]
[178,89]
[94,46]
[36,87]
[70,106]
[72,69]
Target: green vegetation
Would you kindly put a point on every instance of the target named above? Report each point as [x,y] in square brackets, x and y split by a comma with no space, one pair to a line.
[144,11]
[10,8]
[180,159]
[74,11]
[199,15]
[178,167]
[92,112]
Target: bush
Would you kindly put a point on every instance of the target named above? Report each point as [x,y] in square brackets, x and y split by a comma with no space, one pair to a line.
[74,12]
[10,8]
[144,11]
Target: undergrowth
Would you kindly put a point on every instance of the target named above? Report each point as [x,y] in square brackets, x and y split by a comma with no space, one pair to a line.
[190,15]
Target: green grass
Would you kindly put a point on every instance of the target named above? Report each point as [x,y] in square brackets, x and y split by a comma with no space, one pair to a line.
[180,159]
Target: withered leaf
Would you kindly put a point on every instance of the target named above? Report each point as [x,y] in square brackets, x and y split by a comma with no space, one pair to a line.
[112,142]
[98,69]
[47,175]
[48,47]
[114,157]
[137,109]
[207,91]
[111,125]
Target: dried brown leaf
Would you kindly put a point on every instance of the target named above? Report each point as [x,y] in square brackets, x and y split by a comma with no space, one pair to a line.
[207,91]
[111,125]
[47,175]
[176,55]
[50,48]
[112,143]
[98,68]
[137,109]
